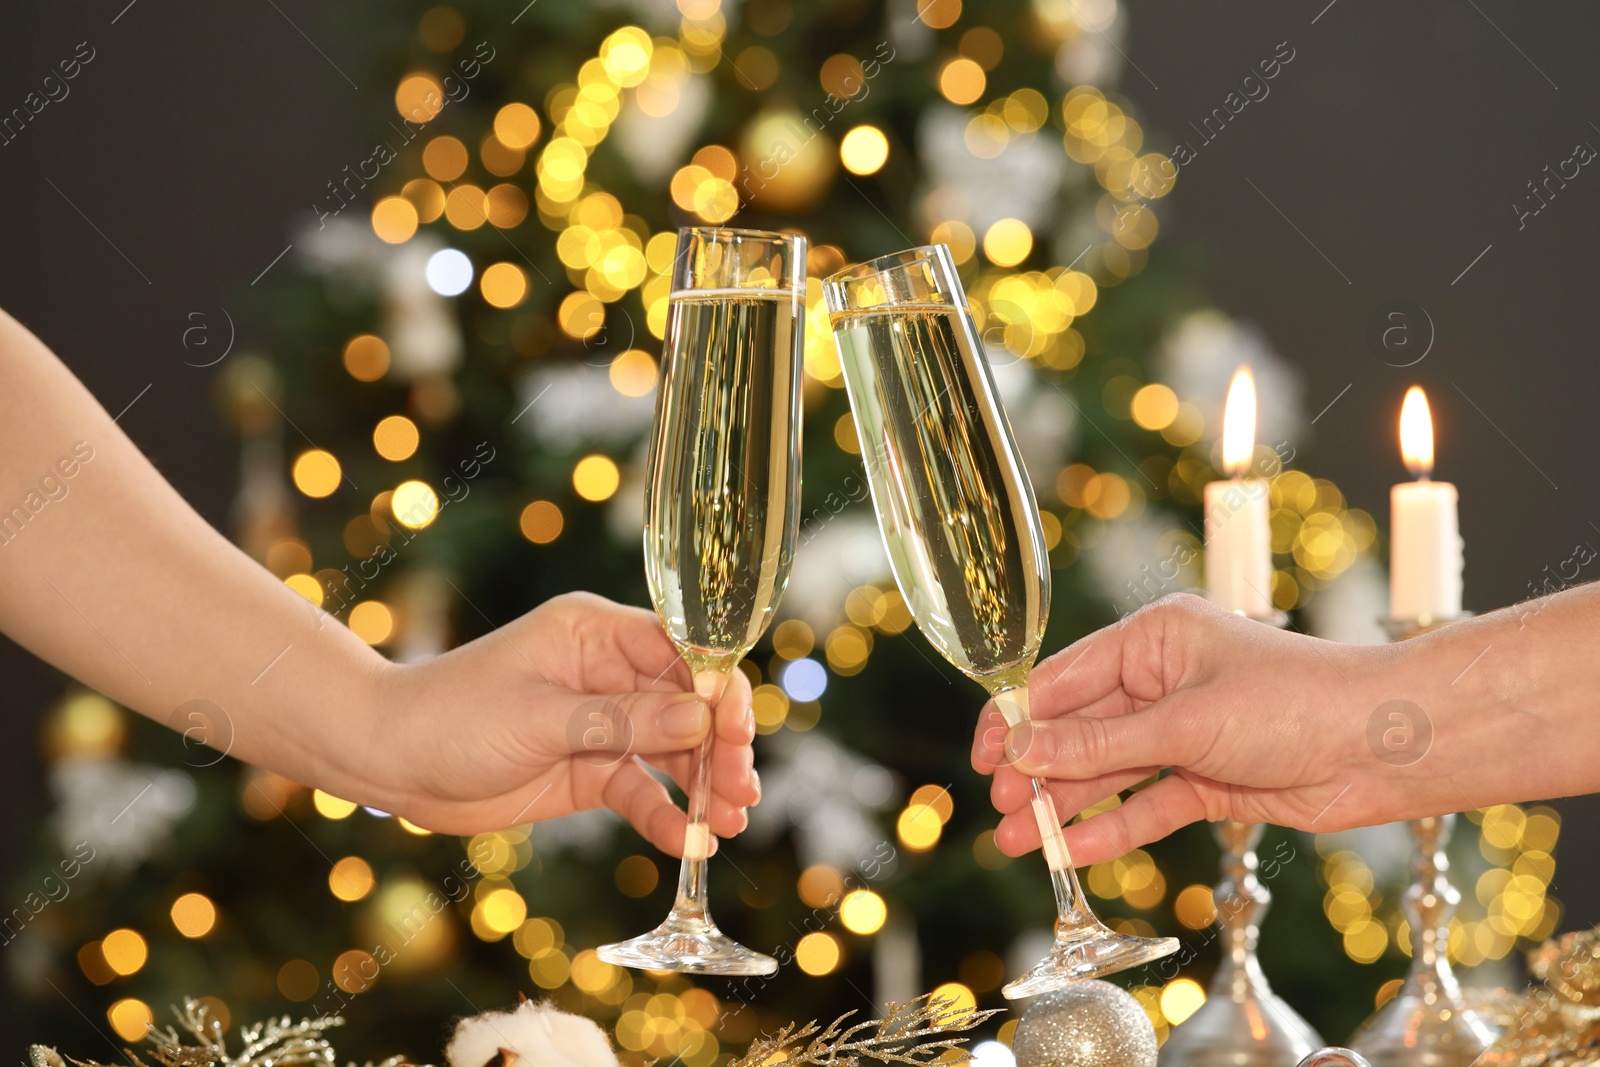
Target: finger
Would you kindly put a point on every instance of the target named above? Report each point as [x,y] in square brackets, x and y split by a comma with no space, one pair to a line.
[635,795]
[988,743]
[626,647]
[1080,674]
[733,776]
[1147,816]
[1082,748]
[989,740]
[736,721]
[1137,660]
[601,727]
[727,818]
[1013,791]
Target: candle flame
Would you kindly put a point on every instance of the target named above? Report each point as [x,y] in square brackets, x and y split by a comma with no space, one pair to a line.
[1416,433]
[1239,424]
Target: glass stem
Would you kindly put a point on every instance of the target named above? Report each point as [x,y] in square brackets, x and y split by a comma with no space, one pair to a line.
[691,904]
[1072,911]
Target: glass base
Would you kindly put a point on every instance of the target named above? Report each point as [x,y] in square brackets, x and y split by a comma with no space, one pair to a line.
[690,946]
[1091,951]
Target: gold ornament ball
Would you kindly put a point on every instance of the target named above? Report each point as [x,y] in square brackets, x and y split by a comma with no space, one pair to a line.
[1089,1024]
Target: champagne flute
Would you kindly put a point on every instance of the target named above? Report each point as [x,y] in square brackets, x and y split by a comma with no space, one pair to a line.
[722,509]
[961,527]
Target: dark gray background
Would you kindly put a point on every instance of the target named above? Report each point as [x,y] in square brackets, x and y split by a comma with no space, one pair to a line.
[1392,147]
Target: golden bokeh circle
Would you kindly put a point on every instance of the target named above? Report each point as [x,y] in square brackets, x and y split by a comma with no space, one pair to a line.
[596,477]
[316,473]
[396,438]
[864,150]
[517,125]
[194,914]
[394,219]
[541,522]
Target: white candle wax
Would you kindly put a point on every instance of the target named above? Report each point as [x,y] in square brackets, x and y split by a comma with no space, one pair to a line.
[1239,546]
[1425,551]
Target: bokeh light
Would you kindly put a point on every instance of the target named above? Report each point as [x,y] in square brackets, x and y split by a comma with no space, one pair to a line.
[817,953]
[633,373]
[394,219]
[351,879]
[959,997]
[366,357]
[863,912]
[316,473]
[541,522]
[1154,407]
[130,1018]
[804,679]
[298,980]
[939,14]
[466,207]
[504,285]
[395,438]
[419,97]
[125,951]
[372,621]
[1007,242]
[919,827]
[962,81]
[330,806]
[637,876]
[517,125]
[864,150]
[193,914]
[449,272]
[596,477]
[414,504]
[444,158]
[1181,998]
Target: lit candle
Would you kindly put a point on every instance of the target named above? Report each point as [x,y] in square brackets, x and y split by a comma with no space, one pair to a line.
[1424,530]
[1238,534]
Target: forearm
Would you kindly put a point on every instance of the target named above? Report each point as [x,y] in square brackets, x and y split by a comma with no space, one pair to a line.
[1509,700]
[108,574]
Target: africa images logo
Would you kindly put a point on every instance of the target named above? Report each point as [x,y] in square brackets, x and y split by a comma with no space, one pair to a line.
[1399,733]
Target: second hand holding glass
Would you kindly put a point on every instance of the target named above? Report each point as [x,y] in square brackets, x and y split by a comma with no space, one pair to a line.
[961,527]
[721,515]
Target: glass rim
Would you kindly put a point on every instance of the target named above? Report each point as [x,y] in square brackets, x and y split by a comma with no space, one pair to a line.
[774,236]
[885,263]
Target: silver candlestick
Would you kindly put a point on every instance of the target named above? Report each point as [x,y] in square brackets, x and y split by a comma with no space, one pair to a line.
[1242,1023]
[1427,1023]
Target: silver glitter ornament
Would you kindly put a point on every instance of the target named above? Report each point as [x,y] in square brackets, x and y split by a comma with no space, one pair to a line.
[1087,1024]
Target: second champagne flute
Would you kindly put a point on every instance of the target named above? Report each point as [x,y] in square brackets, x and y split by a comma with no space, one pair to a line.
[722,508]
[961,527]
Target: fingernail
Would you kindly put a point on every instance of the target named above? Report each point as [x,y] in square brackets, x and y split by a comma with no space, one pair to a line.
[744,819]
[750,721]
[755,780]
[1028,748]
[685,716]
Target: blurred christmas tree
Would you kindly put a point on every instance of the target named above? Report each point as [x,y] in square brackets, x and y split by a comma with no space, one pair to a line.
[449,429]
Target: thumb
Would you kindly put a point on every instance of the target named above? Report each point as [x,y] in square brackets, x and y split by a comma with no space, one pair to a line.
[1082,747]
[604,730]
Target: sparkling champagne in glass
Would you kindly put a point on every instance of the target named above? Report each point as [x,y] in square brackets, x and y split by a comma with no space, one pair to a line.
[722,508]
[961,527]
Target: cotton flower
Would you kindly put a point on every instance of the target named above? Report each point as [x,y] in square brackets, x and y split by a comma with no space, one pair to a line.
[533,1034]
